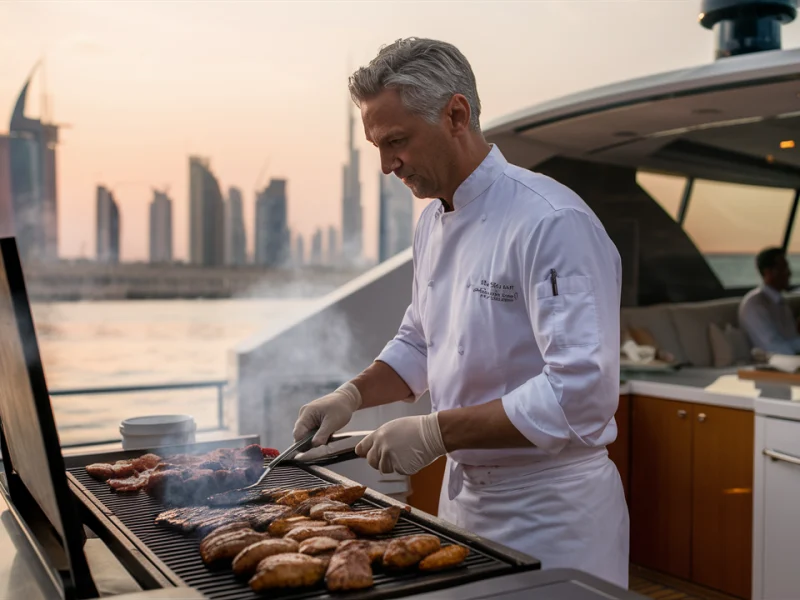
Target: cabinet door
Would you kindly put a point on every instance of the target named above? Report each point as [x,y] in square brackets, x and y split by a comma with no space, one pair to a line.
[661,494]
[722,506]
[619,450]
[426,486]
[781,509]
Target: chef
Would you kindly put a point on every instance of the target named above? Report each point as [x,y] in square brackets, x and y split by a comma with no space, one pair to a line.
[513,328]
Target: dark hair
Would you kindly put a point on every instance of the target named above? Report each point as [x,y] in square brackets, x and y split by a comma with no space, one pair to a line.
[768,258]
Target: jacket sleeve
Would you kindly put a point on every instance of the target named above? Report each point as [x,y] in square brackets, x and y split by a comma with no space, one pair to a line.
[763,331]
[572,289]
[407,352]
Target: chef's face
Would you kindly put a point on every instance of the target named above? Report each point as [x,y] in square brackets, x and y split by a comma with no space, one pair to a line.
[418,152]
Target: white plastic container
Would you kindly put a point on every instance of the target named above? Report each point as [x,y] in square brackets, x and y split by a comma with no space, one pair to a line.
[139,433]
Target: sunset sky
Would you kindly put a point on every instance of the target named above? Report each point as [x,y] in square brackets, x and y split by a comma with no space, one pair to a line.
[144,84]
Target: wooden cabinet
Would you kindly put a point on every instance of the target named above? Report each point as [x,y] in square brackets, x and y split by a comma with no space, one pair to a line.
[426,486]
[722,499]
[619,449]
[661,485]
[691,492]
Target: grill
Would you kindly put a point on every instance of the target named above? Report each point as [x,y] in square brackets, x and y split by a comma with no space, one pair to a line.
[160,557]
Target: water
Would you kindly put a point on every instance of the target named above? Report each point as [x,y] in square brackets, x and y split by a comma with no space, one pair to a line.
[100,344]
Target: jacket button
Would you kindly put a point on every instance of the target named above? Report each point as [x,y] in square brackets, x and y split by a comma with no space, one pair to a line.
[430,343]
[460,349]
[430,283]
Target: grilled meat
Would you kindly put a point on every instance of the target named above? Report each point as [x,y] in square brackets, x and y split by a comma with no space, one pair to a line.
[280,527]
[184,479]
[348,495]
[408,550]
[325,557]
[228,545]
[448,556]
[133,483]
[247,560]
[304,508]
[145,462]
[236,496]
[349,570]
[206,519]
[374,549]
[337,532]
[318,545]
[316,511]
[101,471]
[225,529]
[367,522]
[287,570]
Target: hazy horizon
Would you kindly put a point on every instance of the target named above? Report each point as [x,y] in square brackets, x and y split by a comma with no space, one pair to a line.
[145,85]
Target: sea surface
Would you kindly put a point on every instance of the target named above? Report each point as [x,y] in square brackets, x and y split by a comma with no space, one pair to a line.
[131,343]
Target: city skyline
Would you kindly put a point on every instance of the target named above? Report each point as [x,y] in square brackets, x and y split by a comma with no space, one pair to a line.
[207,83]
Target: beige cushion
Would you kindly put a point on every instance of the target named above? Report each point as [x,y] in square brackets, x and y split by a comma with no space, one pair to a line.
[691,322]
[655,324]
[729,346]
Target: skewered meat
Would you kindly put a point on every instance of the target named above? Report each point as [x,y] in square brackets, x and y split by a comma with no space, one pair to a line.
[228,545]
[349,570]
[318,545]
[368,522]
[374,549]
[101,471]
[317,510]
[337,532]
[247,560]
[206,519]
[444,558]
[409,550]
[287,570]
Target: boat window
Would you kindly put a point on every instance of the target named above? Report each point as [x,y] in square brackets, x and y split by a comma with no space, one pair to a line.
[667,190]
[730,223]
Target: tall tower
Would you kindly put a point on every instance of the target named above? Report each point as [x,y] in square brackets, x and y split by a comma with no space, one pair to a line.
[160,228]
[352,228]
[107,227]
[395,218]
[235,238]
[206,215]
[32,152]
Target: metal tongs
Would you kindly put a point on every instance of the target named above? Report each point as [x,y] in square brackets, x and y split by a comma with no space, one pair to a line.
[340,448]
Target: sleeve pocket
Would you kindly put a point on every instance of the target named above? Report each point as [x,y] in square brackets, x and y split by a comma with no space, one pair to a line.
[568,318]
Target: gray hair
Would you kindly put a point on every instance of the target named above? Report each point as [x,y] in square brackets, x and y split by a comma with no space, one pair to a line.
[428,73]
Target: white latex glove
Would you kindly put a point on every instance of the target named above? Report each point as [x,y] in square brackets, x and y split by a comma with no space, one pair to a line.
[330,413]
[404,445]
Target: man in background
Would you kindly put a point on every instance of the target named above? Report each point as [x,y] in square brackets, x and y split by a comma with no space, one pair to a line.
[764,313]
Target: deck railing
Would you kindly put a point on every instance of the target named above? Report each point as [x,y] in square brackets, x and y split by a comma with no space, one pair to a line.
[190,385]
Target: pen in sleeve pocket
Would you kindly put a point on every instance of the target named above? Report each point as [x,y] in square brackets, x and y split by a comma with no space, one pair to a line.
[553,282]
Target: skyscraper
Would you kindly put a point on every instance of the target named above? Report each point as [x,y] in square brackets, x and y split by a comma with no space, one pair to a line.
[33,183]
[272,230]
[316,248]
[206,215]
[6,207]
[160,228]
[299,251]
[352,229]
[395,221]
[107,227]
[333,246]
[235,240]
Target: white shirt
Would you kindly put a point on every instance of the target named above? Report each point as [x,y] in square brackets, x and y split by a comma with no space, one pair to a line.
[768,321]
[485,323]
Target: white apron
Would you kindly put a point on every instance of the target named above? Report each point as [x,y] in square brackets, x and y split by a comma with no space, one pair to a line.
[568,511]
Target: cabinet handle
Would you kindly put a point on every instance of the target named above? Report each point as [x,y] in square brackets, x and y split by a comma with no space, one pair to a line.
[682,414]
[775,455]
[701,417]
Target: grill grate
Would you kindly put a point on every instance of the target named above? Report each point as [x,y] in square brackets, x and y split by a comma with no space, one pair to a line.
[181,554]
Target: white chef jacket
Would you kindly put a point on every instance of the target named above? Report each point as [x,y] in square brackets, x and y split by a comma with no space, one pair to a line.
[516,295]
